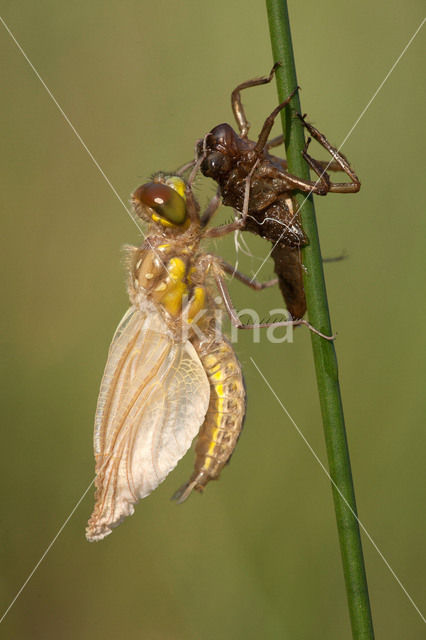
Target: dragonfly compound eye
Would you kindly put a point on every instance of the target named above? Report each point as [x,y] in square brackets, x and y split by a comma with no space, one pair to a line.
[164,201]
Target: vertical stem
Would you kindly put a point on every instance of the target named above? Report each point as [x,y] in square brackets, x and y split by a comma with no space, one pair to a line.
[323,350]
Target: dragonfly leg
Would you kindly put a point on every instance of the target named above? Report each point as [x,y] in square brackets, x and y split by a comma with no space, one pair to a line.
[269,123]
[223,290]
[275,142]
[192,206]
[242,277]
[224,229]
[339,159]
[323,177]
[184,168]
[237,105]
[211,209]
[285,181]
[328,165]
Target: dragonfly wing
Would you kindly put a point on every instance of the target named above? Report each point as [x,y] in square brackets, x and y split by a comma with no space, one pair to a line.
[153,399]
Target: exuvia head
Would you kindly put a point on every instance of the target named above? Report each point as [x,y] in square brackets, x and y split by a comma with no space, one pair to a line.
[218,149]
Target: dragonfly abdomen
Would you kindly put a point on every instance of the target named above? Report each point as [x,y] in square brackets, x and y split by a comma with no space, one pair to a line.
[225,415]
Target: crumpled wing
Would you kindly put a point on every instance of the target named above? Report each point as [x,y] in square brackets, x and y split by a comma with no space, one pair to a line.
[153,398]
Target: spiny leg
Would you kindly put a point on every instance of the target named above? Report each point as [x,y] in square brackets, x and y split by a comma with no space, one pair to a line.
[278,140]
[224,229]
[335,187]
[322,174]
[192,206]
[223,290]
[184,168]
[237,105]
[275,142]
[329,165]
[286,181]
[324,164]
[242,277]
[269,123]
[211,209]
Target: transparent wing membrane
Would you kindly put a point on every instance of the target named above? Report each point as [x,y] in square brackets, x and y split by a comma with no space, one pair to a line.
[153,399]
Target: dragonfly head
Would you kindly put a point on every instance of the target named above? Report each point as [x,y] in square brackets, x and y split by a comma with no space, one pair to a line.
[162,202]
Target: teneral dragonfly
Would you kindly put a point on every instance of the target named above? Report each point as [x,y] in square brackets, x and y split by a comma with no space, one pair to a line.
[170,372]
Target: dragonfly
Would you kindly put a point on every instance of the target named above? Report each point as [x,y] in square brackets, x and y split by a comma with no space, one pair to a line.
[171,373]
[259,186]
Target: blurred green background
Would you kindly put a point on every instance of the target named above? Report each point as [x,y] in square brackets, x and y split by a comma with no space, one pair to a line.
[257,555]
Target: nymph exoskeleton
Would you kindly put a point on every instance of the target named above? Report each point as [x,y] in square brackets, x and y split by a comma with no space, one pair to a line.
[170,372]
[258,185]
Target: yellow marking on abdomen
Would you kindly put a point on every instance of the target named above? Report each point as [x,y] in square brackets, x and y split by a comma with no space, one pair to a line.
[225,415]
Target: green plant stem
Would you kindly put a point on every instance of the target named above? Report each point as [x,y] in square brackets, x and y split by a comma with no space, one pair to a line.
[323,350]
